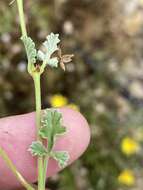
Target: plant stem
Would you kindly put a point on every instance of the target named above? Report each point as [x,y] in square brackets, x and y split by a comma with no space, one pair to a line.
[36,78]
[21,17]
[14,170]
[45,165]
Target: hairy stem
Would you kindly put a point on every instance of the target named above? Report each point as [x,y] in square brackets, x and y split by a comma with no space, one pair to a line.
[21,17]
[36,78]
[14,170]
[45,165]
[37,86]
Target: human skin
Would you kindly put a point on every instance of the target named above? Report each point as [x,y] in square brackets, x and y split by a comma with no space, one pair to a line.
[17,133]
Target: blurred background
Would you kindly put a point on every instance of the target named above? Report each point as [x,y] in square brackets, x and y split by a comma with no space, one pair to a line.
[104,81]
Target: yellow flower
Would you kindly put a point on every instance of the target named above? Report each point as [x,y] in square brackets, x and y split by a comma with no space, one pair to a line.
[73,106]
[126,177]
[58,100]
[129,146]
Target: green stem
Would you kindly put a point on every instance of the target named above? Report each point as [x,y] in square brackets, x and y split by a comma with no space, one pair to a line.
[14,170]
[36,77]
[21,17]
[45,166]
[37,85]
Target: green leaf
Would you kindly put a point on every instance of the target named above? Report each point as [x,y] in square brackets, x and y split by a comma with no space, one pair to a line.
[37,149]
[62,157]
[51,126]
[50,45]
[53,62]
[30,49]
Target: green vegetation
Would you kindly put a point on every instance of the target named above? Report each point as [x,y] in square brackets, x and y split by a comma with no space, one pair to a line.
[104,82]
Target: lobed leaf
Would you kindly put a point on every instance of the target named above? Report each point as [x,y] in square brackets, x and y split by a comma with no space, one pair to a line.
[53,62]
[30,49]
[37,149]
[51,126]
[51,45]
[62,157]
